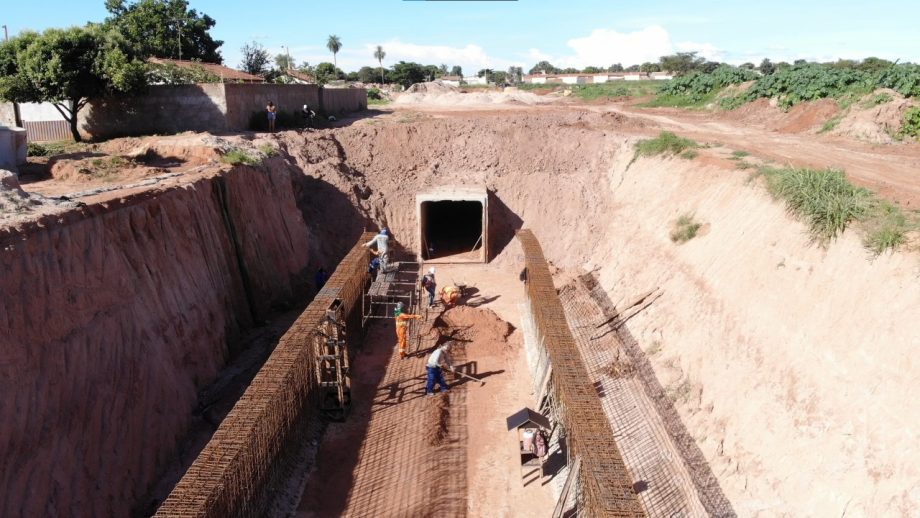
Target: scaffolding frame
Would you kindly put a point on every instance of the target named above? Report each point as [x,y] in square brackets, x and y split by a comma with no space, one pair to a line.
[333,365]
[399,283]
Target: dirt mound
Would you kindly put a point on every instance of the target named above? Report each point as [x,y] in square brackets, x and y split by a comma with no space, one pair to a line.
[479,330]
[437,415]
[17,205]
[432,87]
[438,94]
[801,118]
[875,118]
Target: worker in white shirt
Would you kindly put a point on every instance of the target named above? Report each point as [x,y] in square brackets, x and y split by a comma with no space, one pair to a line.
[382,240]
[435,374]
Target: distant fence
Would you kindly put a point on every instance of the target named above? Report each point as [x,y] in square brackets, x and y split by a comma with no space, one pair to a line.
[245,456]
[214,107]
[603,478]
[47,131]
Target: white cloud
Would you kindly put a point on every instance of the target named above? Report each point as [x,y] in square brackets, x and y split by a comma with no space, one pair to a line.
[604,47]
[706,50]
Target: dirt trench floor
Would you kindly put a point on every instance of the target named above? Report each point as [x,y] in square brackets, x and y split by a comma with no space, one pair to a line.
[389,459]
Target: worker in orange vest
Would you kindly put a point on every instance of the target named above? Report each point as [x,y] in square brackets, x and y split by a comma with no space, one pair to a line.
[402,331]
[450,295]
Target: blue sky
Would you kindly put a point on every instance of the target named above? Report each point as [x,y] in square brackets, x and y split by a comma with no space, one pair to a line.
[566,32]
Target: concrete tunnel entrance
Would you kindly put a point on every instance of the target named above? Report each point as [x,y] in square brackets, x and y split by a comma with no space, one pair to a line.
[453,225]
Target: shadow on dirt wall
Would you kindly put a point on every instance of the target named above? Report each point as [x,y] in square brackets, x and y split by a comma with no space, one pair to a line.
[333,221]
[503,223]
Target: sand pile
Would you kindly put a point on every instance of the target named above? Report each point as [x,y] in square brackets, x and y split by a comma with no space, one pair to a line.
[875,118]
[438,94]
[437,415]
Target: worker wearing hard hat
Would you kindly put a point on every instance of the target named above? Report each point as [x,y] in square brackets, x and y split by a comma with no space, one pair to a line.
[430,286]
[450,295]
[402,330]
[382,240]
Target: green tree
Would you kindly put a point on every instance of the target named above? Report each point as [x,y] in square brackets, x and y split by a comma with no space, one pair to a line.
[515,74]
[766,67]
[406,74]
[456,70]
[165,28]
[284,62]
[747,66]
[592,70]
[681,63]
[379,54]
[616,67]
[432,72]
[649,67]
[255,59]
[543,66]
[69,67]
[365,75]
[334,44]
[326,72]
[631,68]
[873,65]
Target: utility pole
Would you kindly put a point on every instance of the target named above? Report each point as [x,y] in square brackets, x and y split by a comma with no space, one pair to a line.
[6,34]
[179,26]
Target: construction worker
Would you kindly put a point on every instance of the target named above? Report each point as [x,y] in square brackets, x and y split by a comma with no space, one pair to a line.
[382,240]
[430,285]
[435,375]
[400,308]
[402,331]
[450,295]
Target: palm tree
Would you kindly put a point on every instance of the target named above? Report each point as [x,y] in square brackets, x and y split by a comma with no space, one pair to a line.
[334,44]
[379,54]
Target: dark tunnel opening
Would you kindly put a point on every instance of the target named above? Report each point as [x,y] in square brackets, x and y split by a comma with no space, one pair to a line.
[451,228]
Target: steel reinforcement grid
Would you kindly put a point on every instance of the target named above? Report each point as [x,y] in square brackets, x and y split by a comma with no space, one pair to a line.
[607,486]
[231,475]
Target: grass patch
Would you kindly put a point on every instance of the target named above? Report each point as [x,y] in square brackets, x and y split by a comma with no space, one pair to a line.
[592,91]
[738,154]
[689,154]
[238,156]
[826,200]
[685,229]
[681,101]
[829,203]
[377,102]
[54,148]
[831,123]
[875,100]
[268,150]
[666,143]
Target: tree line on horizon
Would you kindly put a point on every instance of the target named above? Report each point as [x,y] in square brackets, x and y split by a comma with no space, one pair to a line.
[68,67]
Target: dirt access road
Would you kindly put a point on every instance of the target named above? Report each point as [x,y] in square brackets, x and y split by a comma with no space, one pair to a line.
[891,170]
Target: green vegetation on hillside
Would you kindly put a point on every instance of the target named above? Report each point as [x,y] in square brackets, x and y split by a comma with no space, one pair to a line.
[699,88]
[829,203]
[791,85]
[910,125]
[589,92]
[666,143]
[238,156]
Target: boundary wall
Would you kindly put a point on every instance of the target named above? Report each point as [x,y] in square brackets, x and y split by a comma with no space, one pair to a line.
[246,455]
[211,107]
[604,481]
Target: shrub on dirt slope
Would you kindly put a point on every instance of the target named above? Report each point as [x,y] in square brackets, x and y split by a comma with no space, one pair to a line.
[809,82]
[697,86]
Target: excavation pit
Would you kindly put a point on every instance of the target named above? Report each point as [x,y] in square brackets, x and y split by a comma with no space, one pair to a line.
[453,225]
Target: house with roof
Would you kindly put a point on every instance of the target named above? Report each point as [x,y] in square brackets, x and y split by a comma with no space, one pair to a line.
[226,74]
